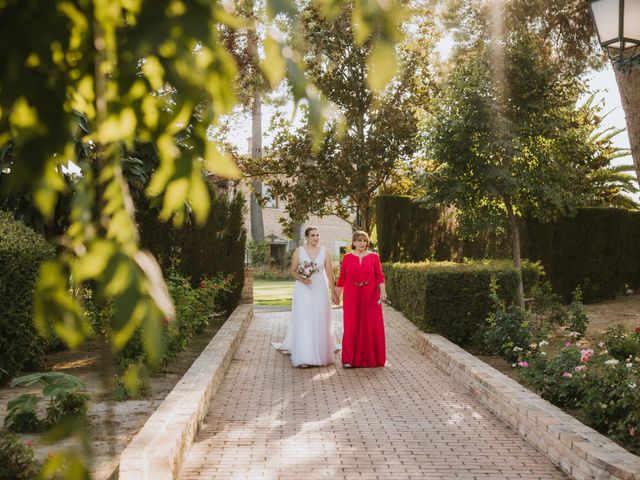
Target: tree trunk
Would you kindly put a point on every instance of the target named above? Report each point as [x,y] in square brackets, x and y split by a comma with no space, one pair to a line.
[296,241]
[255,211]
[629,86]
[517,260]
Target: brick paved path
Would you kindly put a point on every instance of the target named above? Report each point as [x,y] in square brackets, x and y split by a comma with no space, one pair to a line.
[404,421]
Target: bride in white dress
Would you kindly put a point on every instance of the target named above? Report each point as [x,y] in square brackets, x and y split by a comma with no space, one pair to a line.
[310,339]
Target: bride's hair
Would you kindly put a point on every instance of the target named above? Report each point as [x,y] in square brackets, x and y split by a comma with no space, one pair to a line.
[309,229]
[358,235]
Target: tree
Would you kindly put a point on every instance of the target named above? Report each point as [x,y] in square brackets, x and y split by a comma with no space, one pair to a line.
[569,31]
[372,133]
[505,135]
[251,84]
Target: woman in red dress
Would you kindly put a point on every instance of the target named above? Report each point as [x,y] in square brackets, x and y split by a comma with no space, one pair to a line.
[361,278]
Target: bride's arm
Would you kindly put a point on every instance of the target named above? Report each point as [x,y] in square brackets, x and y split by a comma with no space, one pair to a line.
[293,270]
[328,270]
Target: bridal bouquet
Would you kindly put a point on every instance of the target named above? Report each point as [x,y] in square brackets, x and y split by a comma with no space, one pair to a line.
[306,269]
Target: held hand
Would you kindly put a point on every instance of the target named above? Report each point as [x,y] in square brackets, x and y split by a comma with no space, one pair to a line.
[383,297]
[307,282]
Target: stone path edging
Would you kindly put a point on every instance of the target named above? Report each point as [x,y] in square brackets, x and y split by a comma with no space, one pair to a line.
[577,449]
[159,448]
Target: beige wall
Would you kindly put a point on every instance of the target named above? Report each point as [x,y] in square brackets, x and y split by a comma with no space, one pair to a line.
[334,232]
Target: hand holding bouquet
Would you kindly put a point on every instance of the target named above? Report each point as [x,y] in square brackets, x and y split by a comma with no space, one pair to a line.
[306,270]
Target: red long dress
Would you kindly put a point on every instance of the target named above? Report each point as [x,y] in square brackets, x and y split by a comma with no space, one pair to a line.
[363,343]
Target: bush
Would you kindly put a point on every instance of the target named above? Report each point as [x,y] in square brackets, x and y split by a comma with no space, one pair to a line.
[16,459]
[453,299]
[22,251]
[508,331]
[597,250]
[600,389]
[199,252]
[259,252]
[64,401]
[622,345]
[195,307]
[266,272]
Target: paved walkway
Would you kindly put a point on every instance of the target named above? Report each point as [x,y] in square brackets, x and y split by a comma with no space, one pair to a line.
[404,421]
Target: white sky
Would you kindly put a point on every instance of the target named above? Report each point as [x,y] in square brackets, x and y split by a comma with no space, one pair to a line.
[603,83]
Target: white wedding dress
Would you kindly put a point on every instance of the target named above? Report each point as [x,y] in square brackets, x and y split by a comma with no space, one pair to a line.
[310,339]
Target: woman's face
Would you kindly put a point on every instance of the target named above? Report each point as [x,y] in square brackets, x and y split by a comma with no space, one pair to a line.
[360,244]
[313,238]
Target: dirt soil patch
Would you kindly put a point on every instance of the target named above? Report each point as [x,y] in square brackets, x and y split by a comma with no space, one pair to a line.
[129,415]
[624,309]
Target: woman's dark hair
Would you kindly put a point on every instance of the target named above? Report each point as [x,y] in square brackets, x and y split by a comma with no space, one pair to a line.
[308,229]
[357,235]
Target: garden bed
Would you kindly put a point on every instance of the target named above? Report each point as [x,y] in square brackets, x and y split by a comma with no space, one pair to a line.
[583,377]
[130,415]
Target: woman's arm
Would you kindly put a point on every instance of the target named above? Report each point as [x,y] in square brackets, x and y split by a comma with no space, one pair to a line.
[328,270]
[383,292]
[293,269]
[380,278]
[341,280]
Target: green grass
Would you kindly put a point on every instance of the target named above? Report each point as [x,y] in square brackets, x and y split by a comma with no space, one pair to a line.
[272,292]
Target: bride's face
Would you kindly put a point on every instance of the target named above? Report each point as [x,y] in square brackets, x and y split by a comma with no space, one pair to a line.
[313,238]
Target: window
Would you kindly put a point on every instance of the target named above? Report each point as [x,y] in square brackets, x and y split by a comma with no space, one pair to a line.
[269,202]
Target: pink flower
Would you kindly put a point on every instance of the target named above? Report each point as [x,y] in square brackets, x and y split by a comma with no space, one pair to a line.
[579,368]
[585,355]
[567,344]
[566,375]
[523,364]
[632,430]
[28,443]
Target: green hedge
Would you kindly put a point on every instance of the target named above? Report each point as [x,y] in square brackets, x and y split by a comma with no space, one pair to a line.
[597,249]
[22,250]
[452,299]
[406,230]
[197,252]
[409,231]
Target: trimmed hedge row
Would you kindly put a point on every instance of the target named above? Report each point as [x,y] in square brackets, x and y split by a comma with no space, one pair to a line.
[452,299]
[409,231]
[406,230]
[22,250]
[597,249]
[197,252]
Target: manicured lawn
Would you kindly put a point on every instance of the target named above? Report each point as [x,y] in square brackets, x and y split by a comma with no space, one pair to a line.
[272,292]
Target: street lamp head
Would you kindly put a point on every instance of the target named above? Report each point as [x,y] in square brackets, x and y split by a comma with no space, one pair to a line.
[618,25]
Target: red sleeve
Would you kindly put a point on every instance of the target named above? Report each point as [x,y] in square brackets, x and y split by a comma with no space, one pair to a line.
[342,278]
[377,270]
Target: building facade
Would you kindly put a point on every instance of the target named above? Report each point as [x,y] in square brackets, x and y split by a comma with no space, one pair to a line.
[335,233]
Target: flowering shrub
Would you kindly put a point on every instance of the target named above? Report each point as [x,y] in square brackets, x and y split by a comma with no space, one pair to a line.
[622,345]
[508,330]
[555,379]
[16,459]
[596,383]
[195,307]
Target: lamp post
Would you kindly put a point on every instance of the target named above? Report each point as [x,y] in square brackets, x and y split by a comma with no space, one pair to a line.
[618,25]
